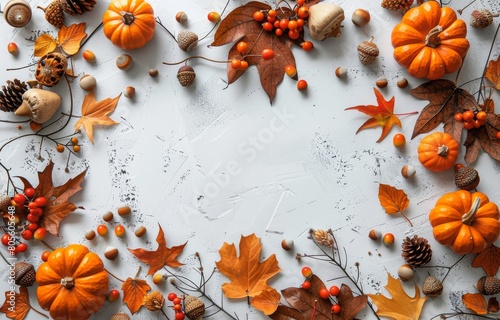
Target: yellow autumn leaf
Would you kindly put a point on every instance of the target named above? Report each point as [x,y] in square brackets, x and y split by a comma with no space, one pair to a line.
[267,301]
[493,73]
[400,306]
[44,44]
[70,38]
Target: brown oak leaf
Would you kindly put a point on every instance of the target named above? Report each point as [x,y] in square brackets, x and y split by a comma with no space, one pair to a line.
[21,306]
[239,25]
[393,200]
[476,302]
[493,72]
[162,256]
[96,113]
[488,259]
[286,313]
[134,291]
[381,115]
[400,306]
[267,301]
[350,305]
[58,206]
[247,274]
[68,38]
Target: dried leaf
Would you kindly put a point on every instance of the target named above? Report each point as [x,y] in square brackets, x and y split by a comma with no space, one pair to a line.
[58,206]
[44,44]
[493,305]
[286,313]
[70,38]
[445,99]
[400,306]
[134,291]
[267,301]
[21,306]
[239,25]
[392,199]
[350,305]
[476,302]
[493,72]
[96,113]
[483,138]
[247,274]
[381,115]
[488,259]
[162,256]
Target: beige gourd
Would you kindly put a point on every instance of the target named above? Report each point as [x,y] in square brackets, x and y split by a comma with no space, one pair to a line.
[324,21]
[39,105]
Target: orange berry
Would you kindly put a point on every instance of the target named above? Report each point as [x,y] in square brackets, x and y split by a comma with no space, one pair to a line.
[459,117]
[292,25]
[477,124]
[399,140]
[12,48]
[236,64]
[35,126]
[300,23]
[335,308]
[89,56]
[388,239]
[302,85]
[481,115]
[113,295]
[158,278]
[267,54]
[102,230]
[213,17]
[244,65]
[258,16]
[468,115]
[307,272]
[303,12]
[45,255]
[272,13]
[301,2]
[60,148]
[74,141]
[290,70]
[283,24]
[242,47]
[469,124]
[268,26]
[76,148]
[307,45]
[324,293]
[278,32]
[498,135]
[120,231]
[294,34]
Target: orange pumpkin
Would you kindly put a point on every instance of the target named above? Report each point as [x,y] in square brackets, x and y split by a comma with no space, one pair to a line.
[438,151]
[129,24]
[466,222]
[72,284]
[430,41]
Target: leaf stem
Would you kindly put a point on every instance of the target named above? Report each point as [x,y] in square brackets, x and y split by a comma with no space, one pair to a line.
[406,113]
[111,274]
[39,312]
[163,312]
[404,216]
[196,57]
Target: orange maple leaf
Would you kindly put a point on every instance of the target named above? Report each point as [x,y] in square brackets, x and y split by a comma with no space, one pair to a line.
[134,291]
[400,306]
[20,308]
[162,256]
[247,274]
[267,301]
[68,38]
[96,113]
[381,115]
[493,72]
[476,302]
[393,200]
[58,206]
[488,259]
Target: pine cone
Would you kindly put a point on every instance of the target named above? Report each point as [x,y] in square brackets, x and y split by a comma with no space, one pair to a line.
[11,95]
[402,5]
[416,251]
[54,14]
[76,7]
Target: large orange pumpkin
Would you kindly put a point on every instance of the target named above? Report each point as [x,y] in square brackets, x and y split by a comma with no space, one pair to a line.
[72,284]
[129,24]
[438,151]
[466,222]
[430,41]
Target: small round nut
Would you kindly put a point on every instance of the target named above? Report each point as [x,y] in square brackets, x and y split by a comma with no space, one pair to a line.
[405,272]
[88,82]
[341,72]
[153,73]
[287,244]
[367,51]
[124,211]
[89,234]
[381,82]
[187,40]
[432,286]
[107,216]
[140,231]
[375,234]
[181,17]
[124,61]
[111,253]
[402,82]
[129,92]
[408,171]
[360,17]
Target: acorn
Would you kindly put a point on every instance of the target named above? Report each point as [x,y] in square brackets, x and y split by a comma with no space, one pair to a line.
[181,17]
[17,13]
[129,92]
[107,216]
[54,14]
[111,253]
[488,285]
[375,235]
[120,316]
[408,171]
[287,244]
[194,308]
[432,286]
[187,40]
[405,272]
[88,82]
[482,18]
[186,76]
[89,234]
[381,82]
[368,51]
[140,231]
[24,274]
[402,82]
[341,72]
[124,61]
[467,178]
[360,17]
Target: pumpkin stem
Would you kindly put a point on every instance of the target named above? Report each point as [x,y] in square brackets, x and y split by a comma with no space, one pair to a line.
[68,282]
[432,39]
[468,218]
[127,17]
[442,150]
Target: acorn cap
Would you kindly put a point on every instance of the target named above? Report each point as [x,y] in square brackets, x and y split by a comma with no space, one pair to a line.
[194,308]
[488,285]
[25,274]
[54,14]
[432,286]
[467,178]
[120,316]
[17,13]
[481,18]
[367,51]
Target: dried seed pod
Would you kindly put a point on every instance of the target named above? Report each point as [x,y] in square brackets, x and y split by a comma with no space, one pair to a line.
[50,69]
[17,13]
[120,316]
[432,286]
[324,20]
[111,253]
[467,178]
[341,72]
[154,301]
[88,82]
[186,76]
[323,238]
[405,272]
[287,244]
[181,17]
[24,274]
[482,18]
[402,82]
[381,82]
[408,171]
[360,17]
[194,308]
[488,285]
[375,234]
[39,105]
[124,61]
[187,40]
[368,51]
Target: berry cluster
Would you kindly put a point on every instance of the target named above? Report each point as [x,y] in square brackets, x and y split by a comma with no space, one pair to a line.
[290,24]
[179,313]
[73,143]
[324,293]
[471,119]
[30,206]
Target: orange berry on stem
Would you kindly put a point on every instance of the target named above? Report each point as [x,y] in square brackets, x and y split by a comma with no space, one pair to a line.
[267,26]
[306,285]
[12,48]
[236,64]
[267,54]
[498,135]
[481,115]
[113,295]
[39,234]
[334,291]
[335,308]
[294,34]
[307,272]
[303,12]
[60,148]
[459,117]
[284,24]
[76,148]
[258,16]
[89,56]
[324,293]
[458,166]
[468,115]
[272,13]
[292,25]
[242,47]
[300,23]
[278,32]
[469,124]
[244,65]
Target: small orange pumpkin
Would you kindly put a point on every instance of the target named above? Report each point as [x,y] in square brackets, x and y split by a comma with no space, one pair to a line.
[466,222]
[430,41]
[72,284]
[129,24]
[438,151]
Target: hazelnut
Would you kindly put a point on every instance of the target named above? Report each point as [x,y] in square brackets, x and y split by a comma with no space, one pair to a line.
[181,17]
[374,234]
[88,82]
[341,72]
[140,231]
[107,216]
[360,17]
[124,62]
[129,92]
[124,211]
[408,171]
[381,82]
[111,253]
[153,72]
[402,82]
[287,244]
[89,234]
[405,272]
